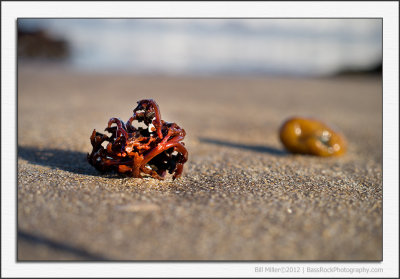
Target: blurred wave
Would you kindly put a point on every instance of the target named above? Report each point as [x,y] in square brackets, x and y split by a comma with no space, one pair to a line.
[313,47]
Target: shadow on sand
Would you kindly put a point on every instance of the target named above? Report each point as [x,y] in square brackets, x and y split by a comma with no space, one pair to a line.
[257,148]
[54,245]
[72,161]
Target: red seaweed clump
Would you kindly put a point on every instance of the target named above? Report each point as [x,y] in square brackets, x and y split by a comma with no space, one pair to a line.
[153,150]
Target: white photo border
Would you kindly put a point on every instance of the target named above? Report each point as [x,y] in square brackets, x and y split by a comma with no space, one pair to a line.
[387,10]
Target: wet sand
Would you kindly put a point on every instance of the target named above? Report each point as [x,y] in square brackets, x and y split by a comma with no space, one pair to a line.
[241,196]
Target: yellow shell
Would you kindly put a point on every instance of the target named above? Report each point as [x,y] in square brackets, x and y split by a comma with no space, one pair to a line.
[310,136]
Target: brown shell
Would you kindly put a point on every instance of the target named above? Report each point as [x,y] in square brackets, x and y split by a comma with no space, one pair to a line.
[310,136]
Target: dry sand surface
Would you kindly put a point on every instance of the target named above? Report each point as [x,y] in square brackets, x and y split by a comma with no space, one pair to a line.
[241,196]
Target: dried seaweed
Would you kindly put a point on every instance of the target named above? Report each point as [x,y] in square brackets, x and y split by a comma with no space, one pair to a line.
[153,150]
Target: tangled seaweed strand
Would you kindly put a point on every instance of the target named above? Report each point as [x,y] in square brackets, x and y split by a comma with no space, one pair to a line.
[136,151]
[310,136]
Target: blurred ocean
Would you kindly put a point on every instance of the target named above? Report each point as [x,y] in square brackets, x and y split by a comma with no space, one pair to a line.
[314,47]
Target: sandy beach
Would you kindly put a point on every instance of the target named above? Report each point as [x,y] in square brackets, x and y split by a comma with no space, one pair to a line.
[241,196]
